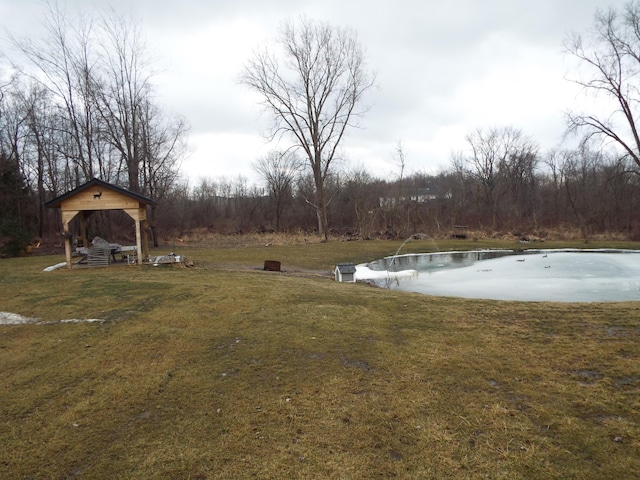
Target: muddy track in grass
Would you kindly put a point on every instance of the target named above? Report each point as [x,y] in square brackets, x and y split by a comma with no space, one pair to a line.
[289,271]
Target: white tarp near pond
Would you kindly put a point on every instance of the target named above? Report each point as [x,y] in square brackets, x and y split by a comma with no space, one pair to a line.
[543,275]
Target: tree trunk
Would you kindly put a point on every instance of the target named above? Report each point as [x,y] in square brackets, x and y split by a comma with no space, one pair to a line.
[321,214]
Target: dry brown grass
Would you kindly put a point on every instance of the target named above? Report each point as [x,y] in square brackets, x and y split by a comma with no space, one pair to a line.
[203,237]
[214,372]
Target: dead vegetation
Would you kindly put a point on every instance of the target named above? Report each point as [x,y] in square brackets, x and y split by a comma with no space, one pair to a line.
[206,238]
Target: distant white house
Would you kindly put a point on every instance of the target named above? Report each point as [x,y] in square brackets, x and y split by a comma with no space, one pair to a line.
[420,195]
[345,272]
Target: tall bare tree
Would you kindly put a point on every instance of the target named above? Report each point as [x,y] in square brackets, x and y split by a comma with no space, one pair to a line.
[399,160]
[122,91]
[500,160]
[41,161]
[163,146]
[611,55]
[360,189]
[314,93]
[62,63]
[279,171]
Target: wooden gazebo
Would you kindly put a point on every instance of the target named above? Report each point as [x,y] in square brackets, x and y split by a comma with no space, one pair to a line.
[97,195]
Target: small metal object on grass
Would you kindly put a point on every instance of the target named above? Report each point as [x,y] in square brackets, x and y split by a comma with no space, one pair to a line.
[272,265]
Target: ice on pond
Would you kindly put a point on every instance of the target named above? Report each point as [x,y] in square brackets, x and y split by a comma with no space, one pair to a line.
[543,275]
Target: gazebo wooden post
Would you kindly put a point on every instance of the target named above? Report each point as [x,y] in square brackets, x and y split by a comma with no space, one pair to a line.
[145,238]
[67,244]
[67,216]
[139,242]
[139,215]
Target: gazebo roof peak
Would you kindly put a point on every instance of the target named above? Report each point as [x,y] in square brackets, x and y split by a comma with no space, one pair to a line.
[96,182]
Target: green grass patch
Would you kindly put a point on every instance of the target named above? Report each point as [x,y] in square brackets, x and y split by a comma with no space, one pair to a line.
[224,372]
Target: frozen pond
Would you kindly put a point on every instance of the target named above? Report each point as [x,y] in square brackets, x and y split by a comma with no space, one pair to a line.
[533,275]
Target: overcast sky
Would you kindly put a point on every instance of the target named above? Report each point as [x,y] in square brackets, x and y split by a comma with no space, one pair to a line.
[444,68]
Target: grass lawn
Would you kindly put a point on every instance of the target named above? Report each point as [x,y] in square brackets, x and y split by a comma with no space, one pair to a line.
[224,371]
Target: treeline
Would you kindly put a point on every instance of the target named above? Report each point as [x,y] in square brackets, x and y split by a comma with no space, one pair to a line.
[498,184]
[579,190]
[561,191]
[81,104]
[77,104]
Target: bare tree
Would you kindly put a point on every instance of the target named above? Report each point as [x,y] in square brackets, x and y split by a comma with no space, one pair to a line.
[399,161]
[100,78]
[122,93]
[40,161]
[500,160]
[314,95]
[62,63]
[162,146]
[360,189]
[458,189]
[580,182]
[611,54]
[279,171]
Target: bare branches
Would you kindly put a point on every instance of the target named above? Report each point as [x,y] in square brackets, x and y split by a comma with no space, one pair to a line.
[279,170]
[314,96]
[99,78]
[501,161]
[612,56]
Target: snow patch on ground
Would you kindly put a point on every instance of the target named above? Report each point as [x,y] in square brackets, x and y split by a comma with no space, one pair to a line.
[365,273]
[55,267]
[8,318]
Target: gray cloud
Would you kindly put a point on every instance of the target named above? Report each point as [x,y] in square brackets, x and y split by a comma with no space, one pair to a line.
[443,68]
